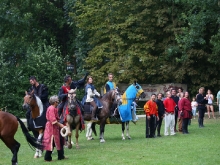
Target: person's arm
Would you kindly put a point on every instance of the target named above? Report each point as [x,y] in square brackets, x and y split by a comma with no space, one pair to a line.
[78,84]
[61,94]
[89,94]
[43,94]
[147,109]
[96,93]
[107,87]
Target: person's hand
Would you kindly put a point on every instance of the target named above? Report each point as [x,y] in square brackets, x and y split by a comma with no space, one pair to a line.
[157,118]
[61,125]
[148,117]
[87,73]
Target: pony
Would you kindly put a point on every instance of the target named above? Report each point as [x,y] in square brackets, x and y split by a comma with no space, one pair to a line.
[103,114]
[131,93]
[38,116]
[73,120]
[8,131]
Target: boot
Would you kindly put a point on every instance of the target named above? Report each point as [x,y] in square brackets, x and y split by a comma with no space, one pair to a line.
[94,119]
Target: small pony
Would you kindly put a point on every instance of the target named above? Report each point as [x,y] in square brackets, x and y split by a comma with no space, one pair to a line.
[7,132]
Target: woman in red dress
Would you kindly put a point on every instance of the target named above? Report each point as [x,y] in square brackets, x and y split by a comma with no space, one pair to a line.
[52,137]
[185,111]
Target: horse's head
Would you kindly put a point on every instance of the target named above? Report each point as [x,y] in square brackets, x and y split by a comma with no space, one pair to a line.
[28,99]
[140,91]
[72,100]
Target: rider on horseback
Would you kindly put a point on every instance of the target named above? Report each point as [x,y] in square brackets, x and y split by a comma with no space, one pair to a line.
[109,86]
[63,92]
[90,93]
[41,91]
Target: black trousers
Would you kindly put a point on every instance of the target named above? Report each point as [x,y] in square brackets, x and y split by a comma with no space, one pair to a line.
[158,125]
[185,124]
[201,110]
[150,126]
[176,117]
[60,152]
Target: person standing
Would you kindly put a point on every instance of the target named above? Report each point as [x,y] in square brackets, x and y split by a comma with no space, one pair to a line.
[90,97]
[185,111]
[194,105]
[169,118]
[52,137]
[218,100]
[176,100]
[110,85]
[151,111]
[202,101]
[209,106]
[161,112]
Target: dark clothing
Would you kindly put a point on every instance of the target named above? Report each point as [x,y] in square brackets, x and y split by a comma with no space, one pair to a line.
[150,126]
[42,92]
[201,108]
[161,111]
[78,84]
[176,100]
[185,125]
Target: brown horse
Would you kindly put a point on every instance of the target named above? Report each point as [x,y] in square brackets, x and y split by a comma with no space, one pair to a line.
[103,114]
[38,115]
[7,132]
[72,118]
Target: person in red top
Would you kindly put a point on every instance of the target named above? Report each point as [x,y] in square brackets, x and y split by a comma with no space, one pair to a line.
[151,111]
[169,106]
[185,111]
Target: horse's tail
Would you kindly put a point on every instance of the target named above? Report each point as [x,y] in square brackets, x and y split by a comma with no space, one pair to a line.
[93,128]
[31,140]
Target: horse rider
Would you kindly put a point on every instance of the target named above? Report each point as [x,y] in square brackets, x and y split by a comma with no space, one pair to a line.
[110,85]
[41,91]
[90,93]
[63,93]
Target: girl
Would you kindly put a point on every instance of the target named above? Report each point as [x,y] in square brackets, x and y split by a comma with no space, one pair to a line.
[194,105]
[210,103]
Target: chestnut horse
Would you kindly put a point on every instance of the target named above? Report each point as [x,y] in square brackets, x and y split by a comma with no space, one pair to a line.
[103,114]
[38,115]
[8,128]
[73,120]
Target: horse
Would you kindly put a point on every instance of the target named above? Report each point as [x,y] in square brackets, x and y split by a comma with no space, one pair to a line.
[73,120]
[8,131]
[102,114]
[131,93]
[38,115]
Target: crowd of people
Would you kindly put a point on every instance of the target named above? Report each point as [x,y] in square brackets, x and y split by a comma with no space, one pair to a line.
[177,109]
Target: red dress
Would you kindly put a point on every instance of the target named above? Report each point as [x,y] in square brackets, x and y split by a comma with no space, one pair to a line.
[52,131]
[185,106]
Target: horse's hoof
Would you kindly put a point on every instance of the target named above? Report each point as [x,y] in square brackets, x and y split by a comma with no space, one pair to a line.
[69,146]
[35,156]
[102,141]
[129,138]
[90,138]
[123,138]
[77,147]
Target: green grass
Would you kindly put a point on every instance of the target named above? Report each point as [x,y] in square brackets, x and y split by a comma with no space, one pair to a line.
[200,147]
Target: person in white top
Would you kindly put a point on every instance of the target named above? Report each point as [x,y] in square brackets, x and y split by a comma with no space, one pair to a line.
[194,105]
[218,100]
[209,106]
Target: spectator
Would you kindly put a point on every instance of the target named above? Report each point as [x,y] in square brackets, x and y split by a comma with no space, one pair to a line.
[161,112]
[185,111]
[176,100]
[209,106]
[169,118]
[218,100]
[194,105]
[151,111]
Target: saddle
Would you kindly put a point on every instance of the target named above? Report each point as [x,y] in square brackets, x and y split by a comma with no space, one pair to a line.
[88,108]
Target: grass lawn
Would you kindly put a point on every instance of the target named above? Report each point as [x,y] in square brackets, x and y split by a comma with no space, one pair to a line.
[200,147]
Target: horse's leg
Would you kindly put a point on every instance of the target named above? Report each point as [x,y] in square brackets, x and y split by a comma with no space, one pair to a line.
[89,131]
[38,152]
[127,129]
[14,146]
[123,129]
[69,136]
[102,130]
[77,135]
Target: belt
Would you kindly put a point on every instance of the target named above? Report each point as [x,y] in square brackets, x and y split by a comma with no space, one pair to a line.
[202,104]
[169,113]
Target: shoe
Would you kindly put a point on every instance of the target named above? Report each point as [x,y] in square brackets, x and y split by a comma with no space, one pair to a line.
[63,158]
[185,133]
[173,134]
[159,136]
[48,160]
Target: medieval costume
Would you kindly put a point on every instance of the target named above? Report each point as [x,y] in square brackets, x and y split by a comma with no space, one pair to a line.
[169,118]
[185,113]
[151,111]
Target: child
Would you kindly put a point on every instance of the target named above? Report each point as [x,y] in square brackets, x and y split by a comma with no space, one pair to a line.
[194,105]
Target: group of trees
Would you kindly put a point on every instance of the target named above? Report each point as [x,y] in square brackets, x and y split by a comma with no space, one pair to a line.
[151,41]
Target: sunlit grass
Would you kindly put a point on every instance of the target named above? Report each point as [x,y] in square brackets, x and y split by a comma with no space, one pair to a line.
[200,147]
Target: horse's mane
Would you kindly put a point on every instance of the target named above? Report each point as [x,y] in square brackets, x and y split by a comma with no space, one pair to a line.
[39,103]
[107,95]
